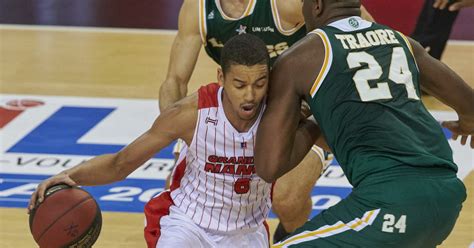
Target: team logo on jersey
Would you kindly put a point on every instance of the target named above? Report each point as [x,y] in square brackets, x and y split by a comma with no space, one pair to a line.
[242,29]
[211,15]
[353,22]
[209,120]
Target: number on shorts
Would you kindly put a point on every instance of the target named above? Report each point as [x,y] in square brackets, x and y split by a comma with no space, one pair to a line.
[242,185]
[399,73]
[388,224]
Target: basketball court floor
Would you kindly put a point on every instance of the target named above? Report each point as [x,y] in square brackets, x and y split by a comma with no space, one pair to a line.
[71,93]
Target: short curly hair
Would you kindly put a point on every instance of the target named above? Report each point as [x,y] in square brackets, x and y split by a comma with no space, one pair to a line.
[244,49]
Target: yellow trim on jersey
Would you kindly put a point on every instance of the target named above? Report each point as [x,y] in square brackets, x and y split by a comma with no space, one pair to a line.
[248,11]
[250,8]
[356,224]
[408,42]
[409,48]
[276,20]
[362,221]
[327,53]
[202,21]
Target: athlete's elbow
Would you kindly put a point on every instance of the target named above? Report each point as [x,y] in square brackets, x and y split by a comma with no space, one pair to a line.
[175,81]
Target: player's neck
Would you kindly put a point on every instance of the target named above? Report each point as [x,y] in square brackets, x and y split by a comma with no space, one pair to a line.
[234,8]
[335,18]
[339,13]
[238,123]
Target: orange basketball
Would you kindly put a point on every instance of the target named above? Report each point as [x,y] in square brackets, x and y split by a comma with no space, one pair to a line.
[68,217]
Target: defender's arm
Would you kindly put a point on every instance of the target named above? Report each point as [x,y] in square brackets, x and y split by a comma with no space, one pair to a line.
[443,83]
[281,141]
[184,54]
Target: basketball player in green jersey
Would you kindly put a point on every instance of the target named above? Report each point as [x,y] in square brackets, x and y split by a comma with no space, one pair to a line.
[279,23]
[362,81]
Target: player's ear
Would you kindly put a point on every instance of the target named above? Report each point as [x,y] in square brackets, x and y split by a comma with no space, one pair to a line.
[220,76]
[318,7]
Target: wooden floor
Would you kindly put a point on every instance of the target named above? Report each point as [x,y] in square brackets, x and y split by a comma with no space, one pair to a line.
[77,62]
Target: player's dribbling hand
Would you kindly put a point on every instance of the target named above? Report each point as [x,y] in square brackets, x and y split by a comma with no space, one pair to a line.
[38,196]
[464,127]
[456,5]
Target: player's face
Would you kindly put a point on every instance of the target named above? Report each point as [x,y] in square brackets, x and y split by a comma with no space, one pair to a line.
[245,88]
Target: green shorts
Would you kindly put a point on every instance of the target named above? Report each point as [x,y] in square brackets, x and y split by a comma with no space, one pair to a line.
[408,211]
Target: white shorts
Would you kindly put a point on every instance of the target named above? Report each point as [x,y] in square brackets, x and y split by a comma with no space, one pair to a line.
[175,229]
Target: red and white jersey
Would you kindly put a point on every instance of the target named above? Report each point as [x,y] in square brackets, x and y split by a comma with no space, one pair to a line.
[215,183]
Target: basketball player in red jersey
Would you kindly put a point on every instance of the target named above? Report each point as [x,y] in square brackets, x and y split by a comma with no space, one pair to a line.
[279,23]
[215,198]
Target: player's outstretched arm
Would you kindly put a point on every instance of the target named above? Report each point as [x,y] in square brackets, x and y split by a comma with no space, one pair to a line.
[282,141]
[177,121]
[183,57]
[443,83]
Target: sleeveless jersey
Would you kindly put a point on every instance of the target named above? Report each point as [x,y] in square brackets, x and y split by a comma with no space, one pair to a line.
[260,18]
[367,101]
[215,183]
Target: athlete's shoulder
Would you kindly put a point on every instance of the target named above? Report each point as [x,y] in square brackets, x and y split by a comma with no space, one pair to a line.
[192,3]
[207,95]
[186,107]
[178,120]
[302,61]
[290,11]
[302,51]
[190,8]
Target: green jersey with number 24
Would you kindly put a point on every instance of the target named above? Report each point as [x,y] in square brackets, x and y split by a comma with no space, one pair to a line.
[367,101]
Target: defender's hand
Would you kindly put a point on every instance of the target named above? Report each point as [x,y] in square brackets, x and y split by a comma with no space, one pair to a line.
[440,4]
[454,6]
[38,195]
[464,127]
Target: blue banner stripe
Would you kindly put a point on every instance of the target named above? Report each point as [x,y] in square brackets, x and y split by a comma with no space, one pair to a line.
[60,132]
[129,195]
